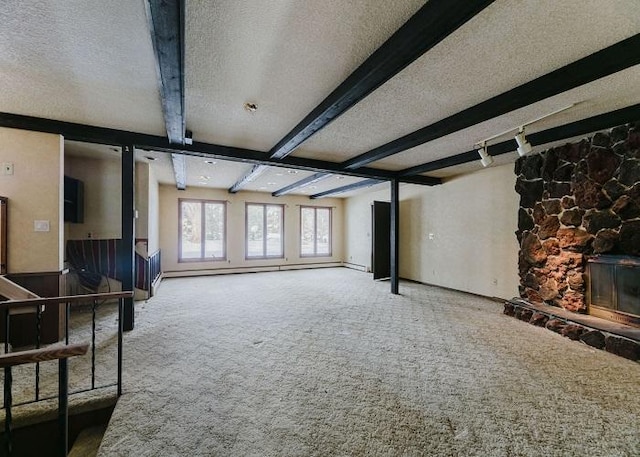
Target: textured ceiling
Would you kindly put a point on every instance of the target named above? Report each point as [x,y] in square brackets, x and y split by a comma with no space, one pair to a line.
[285,56]
[507,44]
[92,62]
[86,61]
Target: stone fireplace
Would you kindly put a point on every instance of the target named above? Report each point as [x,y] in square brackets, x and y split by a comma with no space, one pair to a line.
[580,210]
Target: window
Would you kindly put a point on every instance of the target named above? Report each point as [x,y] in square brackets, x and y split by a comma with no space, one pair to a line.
[315,231]
[202,230]
[265,233]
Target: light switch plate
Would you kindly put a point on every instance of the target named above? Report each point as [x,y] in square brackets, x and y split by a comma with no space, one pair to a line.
[40,226]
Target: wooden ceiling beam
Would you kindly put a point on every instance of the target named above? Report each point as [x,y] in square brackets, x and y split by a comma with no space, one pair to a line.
[250,176]
[166,24]
[347,188]
[605,62]
[573,129]
[102,135]
[179,170]
[431,24]
[301,183]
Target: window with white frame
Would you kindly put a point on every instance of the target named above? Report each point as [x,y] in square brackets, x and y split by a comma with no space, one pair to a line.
[315,231]
[264,231]
[202,229]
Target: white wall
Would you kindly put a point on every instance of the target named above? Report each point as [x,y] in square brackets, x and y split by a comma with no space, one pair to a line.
[35,192]
[102,197]
[169,196]
[472,218]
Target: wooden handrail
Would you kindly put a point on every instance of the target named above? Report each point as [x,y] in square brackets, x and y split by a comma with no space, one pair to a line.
[64,299]
[42,355]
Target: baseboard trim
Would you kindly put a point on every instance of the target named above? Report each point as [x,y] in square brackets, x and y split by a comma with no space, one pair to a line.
[240,270]
[496,299]
[355,266]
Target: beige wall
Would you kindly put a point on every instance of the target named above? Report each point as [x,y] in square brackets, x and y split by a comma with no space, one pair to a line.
[472,220]
[35,192]
[102,197]
[169,196]
[147,206]
[153,234]
[142,200]
[357,227]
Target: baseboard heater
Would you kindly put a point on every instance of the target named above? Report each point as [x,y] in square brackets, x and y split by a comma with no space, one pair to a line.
[237,270]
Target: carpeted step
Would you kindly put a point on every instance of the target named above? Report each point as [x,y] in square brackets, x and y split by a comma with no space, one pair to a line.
[88,442]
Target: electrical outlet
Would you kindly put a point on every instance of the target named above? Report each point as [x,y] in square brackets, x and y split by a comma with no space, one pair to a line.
[40,226]
[7,168]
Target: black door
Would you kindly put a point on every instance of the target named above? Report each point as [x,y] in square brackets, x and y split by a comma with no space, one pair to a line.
[381,245]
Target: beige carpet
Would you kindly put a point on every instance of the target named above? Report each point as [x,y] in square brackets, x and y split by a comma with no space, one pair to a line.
[328,363]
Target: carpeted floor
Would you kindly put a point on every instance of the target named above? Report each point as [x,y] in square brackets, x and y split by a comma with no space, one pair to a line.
[328,363]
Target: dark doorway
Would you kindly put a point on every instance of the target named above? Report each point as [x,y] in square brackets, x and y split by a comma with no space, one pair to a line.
[381,246]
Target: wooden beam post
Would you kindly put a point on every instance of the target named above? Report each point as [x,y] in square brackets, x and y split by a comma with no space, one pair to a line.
[128,232]
[394,233]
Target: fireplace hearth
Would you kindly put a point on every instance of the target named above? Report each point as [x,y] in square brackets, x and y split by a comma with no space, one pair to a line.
[614,288]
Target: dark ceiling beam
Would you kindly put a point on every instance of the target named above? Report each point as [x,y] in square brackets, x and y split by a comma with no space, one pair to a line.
[347,188]
[179,170]
[432,23]
[302,183]
[248,177]
[603,63]
[166,23]
[102,135]
[419,179]
[573,129]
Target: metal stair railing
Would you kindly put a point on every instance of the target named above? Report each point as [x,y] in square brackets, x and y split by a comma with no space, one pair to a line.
[55,352]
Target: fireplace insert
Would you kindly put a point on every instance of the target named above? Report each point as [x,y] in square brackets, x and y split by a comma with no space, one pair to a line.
[614,288]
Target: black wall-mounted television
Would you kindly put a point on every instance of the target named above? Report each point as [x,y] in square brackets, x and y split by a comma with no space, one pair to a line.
[73,200]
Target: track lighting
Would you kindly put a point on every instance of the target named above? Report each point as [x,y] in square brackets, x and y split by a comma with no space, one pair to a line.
[485,158]
[524,147]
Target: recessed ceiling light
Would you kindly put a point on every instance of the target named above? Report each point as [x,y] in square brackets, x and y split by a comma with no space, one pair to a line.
[203,177]
[271,184]
[203,182]
[210,162]
[293,172]
[150,158]
[251,107]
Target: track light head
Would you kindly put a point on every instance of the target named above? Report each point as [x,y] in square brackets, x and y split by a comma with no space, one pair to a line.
[524,147]
[485,158]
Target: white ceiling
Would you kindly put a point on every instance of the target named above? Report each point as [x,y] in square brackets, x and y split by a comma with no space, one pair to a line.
[92,62]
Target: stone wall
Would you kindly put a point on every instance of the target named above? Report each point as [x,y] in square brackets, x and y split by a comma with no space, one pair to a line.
[577,200]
